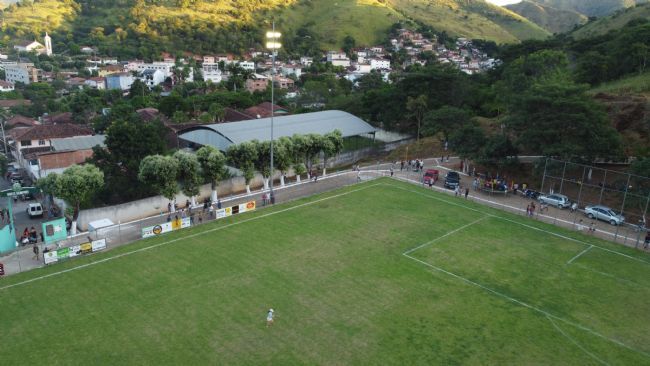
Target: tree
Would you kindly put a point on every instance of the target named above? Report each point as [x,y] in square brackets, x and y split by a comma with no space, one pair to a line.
[243,156]
[297,155]
[445,120]
[213,167]
[48,186]
[76,186]
[332,144]
[161,173]
[555,117]
[467,143]
[263,161]
[498,152]
[283,156]
[189,174]
[417,107]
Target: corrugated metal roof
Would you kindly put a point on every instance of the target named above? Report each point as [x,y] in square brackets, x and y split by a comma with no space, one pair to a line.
[223,135]
[78,143]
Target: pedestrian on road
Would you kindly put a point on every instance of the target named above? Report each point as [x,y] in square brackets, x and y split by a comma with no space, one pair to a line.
[35,250]
[391,171]
[466,192]
[592,227]
[401,167]
[528,210]
[581,227]
[456,191]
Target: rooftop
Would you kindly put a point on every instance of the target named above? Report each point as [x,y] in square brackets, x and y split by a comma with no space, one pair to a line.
[223,135]
[48,132]
[78,143]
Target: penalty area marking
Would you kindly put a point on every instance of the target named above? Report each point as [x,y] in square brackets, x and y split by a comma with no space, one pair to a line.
[526,305]
[519,223]
[445,235]
[576,343]
[183,238]
[579,254]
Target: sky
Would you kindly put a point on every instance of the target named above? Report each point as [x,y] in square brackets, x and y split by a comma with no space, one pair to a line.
[503,2]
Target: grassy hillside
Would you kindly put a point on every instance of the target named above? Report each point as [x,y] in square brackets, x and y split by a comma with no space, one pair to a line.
[551,19]
[636,84]
[144,28]
[597,8]
[615,21]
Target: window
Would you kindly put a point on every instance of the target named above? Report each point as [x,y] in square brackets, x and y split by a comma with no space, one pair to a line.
[41,142]
[26,143]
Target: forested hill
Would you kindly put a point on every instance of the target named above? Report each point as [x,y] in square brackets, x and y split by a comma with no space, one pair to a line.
[591,8]
[141,28]
[615,21]
[552,19]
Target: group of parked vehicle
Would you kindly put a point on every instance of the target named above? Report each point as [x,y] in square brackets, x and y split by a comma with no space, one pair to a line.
[598,212]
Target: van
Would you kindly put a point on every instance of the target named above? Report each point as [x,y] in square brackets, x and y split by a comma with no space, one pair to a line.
[35,210]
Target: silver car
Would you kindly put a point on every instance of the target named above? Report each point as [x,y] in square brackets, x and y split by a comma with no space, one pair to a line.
[557,200]
[604,213]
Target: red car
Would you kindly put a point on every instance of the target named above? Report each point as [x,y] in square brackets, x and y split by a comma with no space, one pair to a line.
[431,176]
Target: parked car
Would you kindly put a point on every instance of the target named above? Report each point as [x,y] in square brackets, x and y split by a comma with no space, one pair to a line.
[557,200]
[430,176]
[529,193]
[16,178]
[35,210]
[452,180]
[604,213]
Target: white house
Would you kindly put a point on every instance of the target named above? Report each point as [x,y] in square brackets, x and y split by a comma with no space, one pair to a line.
[379,63]
[247,65]
[164,67]
[288,70]
[25,75]
[306,61]
[120,81]
[152,77]
[338,59]
[363,68]
[212,72]
[98,83]
[6,86]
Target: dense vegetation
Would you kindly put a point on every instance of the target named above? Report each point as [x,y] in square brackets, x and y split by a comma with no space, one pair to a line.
[144,28]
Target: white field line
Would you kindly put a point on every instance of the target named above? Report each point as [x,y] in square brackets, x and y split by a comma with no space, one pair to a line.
[576,343]
[445,235]
[516,222]
[609,275]
[579,254]
[526,305]
[182,238]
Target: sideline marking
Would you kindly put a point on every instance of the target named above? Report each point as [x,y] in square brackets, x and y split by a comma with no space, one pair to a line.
[445,235]
[579,254]
[520,223]
[526,305]
[576,343]
[182,238]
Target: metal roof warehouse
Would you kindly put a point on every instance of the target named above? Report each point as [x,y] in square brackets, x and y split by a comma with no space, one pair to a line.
[223,135]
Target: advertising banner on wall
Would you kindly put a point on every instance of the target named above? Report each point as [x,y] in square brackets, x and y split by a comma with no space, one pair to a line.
[54,230]
[167,227]
[54,256]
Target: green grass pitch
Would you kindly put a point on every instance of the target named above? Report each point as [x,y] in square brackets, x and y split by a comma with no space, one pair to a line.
[378,273]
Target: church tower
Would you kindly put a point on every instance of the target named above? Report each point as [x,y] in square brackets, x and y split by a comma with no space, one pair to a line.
[48,44]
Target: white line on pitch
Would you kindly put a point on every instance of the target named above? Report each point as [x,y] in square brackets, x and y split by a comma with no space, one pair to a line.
[518,223]
[445,235]
[575,342]
[181,238]
[579,254]
[526,305]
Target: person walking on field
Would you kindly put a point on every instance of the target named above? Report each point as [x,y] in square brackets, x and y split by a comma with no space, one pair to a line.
[466,192]
[269,318]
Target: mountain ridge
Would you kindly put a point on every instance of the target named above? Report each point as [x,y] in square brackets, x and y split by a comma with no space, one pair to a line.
[552,19]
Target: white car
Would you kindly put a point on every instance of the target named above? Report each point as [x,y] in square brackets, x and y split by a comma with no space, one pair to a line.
[604,213]
[35,210]
[557,200]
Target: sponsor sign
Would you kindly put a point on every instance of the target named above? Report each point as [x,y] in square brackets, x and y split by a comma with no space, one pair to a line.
[2,269]
[75,250]
[86,248]
[166,227]
[63,253]
[221,213]
[50,257]
[98,244]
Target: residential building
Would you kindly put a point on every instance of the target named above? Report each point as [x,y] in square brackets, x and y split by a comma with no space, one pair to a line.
[64,153]
[282,82]
[18,121]
[379,64]
[121,81]
[247,65]
[306,61]
[338,59]
[39,139]
[98,83]
[21,74]
[6,86]
[263,110]
[152,77]
[257,82]
[212,72]
[288,70]
[110,69]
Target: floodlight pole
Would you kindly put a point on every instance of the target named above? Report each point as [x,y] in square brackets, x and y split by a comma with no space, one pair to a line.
[273,45]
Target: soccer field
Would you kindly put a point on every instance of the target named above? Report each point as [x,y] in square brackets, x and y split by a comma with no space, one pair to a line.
[382,272]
